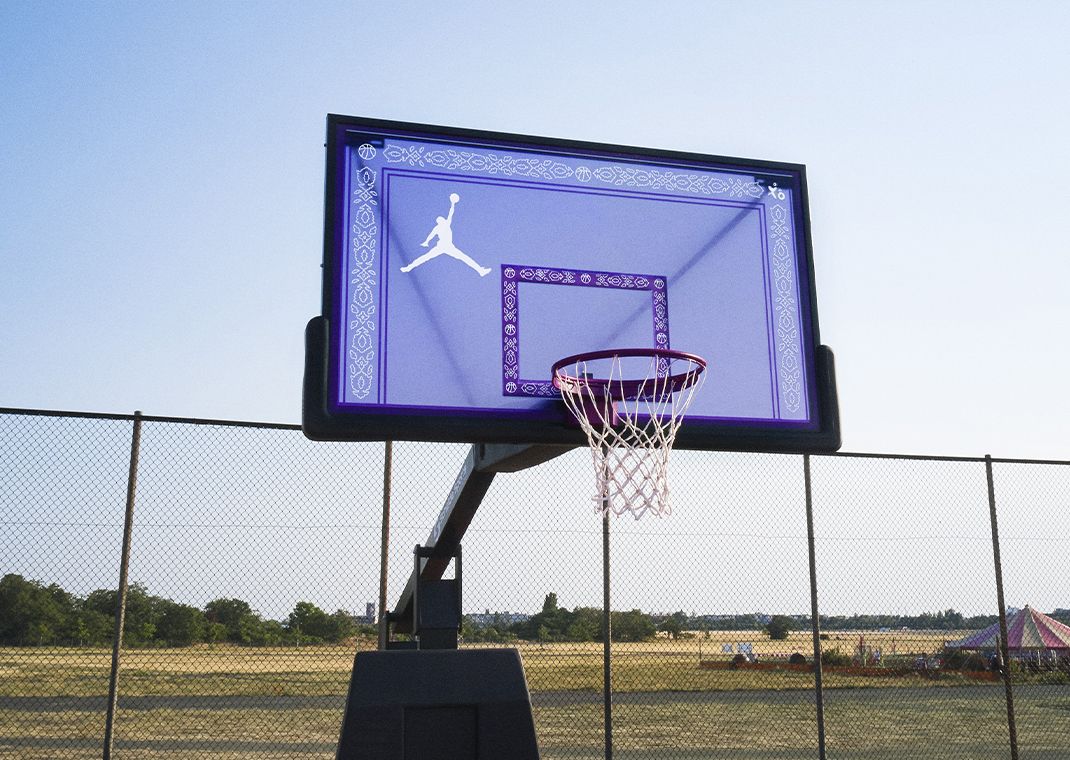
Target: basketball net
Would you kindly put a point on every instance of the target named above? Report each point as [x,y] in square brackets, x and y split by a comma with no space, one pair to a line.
[631,424]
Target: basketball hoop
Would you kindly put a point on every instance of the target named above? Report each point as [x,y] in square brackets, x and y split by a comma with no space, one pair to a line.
[630,403]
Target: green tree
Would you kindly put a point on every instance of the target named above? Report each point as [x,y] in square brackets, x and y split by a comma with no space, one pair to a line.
[341,626]
[779,626]
[215,633]
[586,625]
[180,625]
[268,633]
[92,628]
[549,604]
[551,624]
[237,616]
[313,625]
[632,626]
[674,624]
[952,619]
[142,612]
[33,614]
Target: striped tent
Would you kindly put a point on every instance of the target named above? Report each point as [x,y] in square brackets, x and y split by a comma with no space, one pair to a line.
[1027,631]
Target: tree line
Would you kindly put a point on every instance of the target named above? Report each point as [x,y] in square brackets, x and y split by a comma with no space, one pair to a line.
[33,614]
[945,620]
[556,623]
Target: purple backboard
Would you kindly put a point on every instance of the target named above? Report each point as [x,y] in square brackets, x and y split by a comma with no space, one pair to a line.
[459,266]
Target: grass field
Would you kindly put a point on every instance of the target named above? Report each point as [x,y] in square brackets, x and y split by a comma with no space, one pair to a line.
[233,702]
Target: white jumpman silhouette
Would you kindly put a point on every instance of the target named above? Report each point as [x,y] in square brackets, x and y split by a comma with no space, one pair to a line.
[445,244]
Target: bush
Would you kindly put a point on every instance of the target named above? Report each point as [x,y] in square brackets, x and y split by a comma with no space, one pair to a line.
[834,657]
[957,659]
[1054,678]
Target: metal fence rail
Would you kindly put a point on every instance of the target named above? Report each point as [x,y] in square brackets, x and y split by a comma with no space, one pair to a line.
[255,554]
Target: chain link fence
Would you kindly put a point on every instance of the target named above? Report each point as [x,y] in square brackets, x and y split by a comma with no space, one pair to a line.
[255,573]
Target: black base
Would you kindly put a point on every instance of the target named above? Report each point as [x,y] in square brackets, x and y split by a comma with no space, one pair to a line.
[438,705]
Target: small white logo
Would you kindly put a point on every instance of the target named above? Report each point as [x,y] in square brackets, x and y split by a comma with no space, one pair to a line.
[776,192]
[366,151]
[443,230]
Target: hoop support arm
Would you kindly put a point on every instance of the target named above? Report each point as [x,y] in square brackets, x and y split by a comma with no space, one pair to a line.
[483,462]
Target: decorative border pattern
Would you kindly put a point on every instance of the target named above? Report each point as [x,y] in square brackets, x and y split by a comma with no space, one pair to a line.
[785,306]
[622,175]
[363,240]
[515,274]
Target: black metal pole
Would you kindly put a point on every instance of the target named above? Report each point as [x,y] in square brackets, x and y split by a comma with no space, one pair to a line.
[120,602]
[384,622]
[607,646]
[814,615]
[1004,653]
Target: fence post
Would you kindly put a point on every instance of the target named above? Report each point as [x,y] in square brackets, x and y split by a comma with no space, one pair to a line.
[816,624]
[607,645]
[1004,654]
[120,602]
[388,466]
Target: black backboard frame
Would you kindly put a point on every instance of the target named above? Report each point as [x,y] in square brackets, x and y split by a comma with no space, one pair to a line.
[322,419]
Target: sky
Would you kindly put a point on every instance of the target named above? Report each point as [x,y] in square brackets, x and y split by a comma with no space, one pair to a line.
[161,222]
[162,186]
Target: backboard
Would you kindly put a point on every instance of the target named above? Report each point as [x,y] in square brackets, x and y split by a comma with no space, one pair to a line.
[459,265]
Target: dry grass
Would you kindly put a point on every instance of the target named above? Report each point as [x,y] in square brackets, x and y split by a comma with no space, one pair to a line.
[660,665]
[748,714]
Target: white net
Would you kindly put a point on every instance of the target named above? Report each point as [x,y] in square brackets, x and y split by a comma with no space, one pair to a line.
[631,422]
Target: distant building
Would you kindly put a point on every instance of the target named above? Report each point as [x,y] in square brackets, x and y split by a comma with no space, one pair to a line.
[368,618]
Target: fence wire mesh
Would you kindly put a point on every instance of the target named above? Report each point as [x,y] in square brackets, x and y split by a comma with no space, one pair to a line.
[1034,532]
[62,491]
[255,578]
[895,537]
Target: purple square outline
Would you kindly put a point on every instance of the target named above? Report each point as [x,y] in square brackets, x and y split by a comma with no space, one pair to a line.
[513,275]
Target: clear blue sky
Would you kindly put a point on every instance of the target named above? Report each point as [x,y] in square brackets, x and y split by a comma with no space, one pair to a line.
[161,191]
[162,181]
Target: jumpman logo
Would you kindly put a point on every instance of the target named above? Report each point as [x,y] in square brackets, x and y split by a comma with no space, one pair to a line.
[444,233]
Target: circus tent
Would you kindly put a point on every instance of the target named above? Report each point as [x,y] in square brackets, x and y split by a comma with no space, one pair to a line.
[1027,631]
